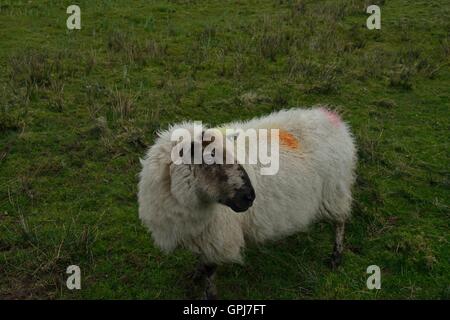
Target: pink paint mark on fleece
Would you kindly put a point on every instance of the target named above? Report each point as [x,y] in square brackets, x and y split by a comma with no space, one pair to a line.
[332,116]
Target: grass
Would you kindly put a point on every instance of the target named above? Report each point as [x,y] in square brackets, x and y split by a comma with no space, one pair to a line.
[78,108]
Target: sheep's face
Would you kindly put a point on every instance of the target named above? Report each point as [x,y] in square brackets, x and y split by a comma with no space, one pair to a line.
[227,184]
[199,184]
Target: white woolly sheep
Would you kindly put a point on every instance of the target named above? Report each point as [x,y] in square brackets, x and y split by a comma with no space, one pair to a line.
[193,205]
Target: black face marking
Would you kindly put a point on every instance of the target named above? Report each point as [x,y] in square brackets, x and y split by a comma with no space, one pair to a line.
[222,175]
[245,177]
[242,197]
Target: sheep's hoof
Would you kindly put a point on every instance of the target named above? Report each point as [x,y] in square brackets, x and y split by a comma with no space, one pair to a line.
[211,296]
[335,260]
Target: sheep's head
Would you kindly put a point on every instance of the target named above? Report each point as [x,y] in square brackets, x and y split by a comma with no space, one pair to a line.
[200,184]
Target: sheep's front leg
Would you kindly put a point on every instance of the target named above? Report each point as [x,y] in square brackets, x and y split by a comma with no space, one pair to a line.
[210,284]
[336,257]
[204,275]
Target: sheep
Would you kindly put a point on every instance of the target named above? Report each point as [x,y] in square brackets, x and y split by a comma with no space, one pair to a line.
[196,206]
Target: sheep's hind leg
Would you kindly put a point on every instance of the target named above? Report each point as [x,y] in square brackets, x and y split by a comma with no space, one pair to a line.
[336,256]
[198,274]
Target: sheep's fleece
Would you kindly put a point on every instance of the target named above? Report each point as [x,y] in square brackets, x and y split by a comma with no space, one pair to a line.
[314,181]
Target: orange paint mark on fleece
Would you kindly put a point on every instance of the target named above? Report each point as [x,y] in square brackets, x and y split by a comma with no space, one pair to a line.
[288,140]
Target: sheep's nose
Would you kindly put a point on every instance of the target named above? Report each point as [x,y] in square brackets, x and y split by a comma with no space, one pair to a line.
[249,197]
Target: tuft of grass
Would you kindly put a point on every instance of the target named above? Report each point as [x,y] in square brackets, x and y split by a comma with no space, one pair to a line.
[90,62]
[31,68]
[57,95]
[9,122]
[135,51]
[386,103]
[122,104]
[402,78]
[327,81]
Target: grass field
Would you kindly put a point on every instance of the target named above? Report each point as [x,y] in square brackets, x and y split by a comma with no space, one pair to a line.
[79,107]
